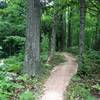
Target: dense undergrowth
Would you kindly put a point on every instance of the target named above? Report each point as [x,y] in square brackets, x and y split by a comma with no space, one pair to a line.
[16,86]
[13,84]
[86,84]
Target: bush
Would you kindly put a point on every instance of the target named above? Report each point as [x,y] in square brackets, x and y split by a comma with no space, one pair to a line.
[27,95]
[13,63]
[7,87]
[12,44]
[20,87]
[45,44]
[73,50]
[79,91]
[91,63]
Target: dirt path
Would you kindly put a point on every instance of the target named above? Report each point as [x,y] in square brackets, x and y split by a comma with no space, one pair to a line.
[60,77]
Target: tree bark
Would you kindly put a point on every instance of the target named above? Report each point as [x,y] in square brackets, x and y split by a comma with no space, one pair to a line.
[69,39]
[32,49]
[97,37]
[82,31]
[63,31]
[53,39]
[53,36]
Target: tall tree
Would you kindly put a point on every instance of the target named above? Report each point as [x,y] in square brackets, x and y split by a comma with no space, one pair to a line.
[53,39]
[53,36]
[32,49]
[69,39]
[82,30]
[63,30]
[97,38]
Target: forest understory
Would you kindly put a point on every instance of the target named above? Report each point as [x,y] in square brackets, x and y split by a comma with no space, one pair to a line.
[15,86]
[33,36]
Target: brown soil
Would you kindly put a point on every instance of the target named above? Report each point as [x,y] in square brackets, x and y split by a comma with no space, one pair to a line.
[59,79]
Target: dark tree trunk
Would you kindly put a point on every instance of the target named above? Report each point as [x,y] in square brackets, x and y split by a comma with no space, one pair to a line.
[63,31]
[82,31]
[57,43]
[32,49]
[97,37]
[69,39]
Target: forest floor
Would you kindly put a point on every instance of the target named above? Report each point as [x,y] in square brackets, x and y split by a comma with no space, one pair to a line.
[59,79]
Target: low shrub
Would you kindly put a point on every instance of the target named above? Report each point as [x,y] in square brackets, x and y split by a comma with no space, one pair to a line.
[12,45]
[27,95]
[91,63]
[78,90]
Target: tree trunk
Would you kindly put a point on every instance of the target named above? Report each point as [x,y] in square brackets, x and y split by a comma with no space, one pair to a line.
[97,38]
[82,31]
[53,39]
[69,39]
[63,31]
[53,36]
[32,49]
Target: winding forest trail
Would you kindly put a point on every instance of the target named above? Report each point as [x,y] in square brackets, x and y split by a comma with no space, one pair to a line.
[59,79]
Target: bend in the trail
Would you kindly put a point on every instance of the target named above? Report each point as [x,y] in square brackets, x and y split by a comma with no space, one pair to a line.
[59,79]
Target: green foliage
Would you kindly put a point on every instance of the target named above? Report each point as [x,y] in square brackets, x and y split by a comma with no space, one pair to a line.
[19,87]
[29,87]
[7,87]
[46,68]
[91,63]
[46,21]
[12,32]
[27,95]
[15,39]
[73,50]
[15,67]
[97,87]
[44,48]
[79,90]
[14,63]
[12,44]
[44,56]
[12,23]
[14,16]
[57,59]
[45,43]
